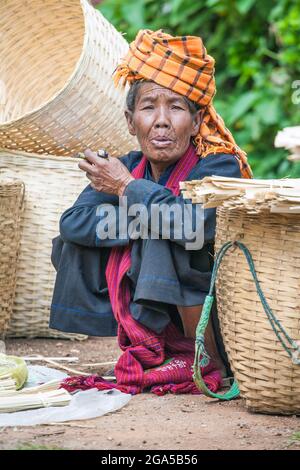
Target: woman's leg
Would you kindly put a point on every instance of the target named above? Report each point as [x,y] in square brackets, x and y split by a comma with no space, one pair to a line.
[190,317]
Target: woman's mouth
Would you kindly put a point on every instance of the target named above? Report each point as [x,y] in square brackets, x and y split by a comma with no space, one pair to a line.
[161,142]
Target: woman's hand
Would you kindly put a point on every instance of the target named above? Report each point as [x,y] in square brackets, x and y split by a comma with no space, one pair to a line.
[106,174]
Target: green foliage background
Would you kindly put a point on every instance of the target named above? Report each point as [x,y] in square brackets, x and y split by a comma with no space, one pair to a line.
[256,45]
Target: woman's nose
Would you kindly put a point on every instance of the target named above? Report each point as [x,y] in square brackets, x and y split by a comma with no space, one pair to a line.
[162,118]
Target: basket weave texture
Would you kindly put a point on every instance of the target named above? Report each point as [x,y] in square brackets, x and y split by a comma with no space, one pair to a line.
[11,204]
[52,186]
[56,90]
[267,377]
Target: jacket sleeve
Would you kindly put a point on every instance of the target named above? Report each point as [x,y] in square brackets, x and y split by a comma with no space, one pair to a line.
[150,193]
[79,224]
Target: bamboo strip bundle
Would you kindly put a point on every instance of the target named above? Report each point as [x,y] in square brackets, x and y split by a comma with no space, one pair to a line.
[289,138]
[274,195]
[13,372]
[7,383]
[29,401]
[46,387]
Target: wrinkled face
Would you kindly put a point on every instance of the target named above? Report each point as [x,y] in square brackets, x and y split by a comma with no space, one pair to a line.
[162,123]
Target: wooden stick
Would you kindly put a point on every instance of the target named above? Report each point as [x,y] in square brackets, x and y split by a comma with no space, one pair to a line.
[60,366]
[42,358]
[99,364]
[72,425]
[68,359]
[50,360]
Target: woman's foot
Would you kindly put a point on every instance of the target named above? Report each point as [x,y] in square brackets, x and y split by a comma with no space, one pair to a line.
[190,317]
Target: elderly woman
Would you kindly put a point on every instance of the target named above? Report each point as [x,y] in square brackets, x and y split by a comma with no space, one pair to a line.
[150,288]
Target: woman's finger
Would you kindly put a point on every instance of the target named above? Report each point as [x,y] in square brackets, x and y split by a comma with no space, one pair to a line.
[85,166]
[93,180]
[89,176]
[91,156]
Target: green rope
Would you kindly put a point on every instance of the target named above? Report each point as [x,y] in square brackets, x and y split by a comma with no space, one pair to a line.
[201,356]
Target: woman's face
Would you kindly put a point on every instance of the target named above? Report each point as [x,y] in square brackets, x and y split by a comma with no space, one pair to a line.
[162,123]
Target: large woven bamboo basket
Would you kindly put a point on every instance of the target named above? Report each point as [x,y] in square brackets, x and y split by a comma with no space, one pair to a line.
[52,185]
[268,379]
[56,90]
[11,205]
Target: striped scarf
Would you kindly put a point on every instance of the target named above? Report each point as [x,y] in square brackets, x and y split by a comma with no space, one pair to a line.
[162,362]
[183,65]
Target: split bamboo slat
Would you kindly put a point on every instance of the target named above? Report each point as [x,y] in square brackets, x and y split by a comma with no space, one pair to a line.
[276,195]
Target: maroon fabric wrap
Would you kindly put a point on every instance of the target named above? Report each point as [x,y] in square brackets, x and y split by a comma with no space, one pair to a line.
[159,362]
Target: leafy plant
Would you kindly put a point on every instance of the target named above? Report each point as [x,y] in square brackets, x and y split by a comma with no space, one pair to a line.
[32,446]
[294,439]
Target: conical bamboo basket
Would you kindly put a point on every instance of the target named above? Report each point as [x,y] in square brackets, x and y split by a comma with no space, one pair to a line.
[56,90]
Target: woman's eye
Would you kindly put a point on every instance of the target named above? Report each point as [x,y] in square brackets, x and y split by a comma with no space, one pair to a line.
[148,107]
[177,107]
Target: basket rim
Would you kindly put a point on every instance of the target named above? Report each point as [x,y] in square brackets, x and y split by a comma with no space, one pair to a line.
[38,156]
[84,5]
[10,181]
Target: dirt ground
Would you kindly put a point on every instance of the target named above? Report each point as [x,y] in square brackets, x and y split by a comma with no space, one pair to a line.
[183,422]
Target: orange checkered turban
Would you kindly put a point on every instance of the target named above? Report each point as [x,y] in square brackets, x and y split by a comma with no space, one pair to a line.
[182,65]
